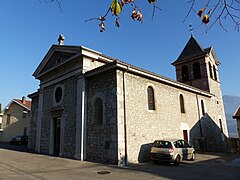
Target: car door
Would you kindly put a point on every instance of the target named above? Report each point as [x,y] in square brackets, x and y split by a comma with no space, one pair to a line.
[178,148]
[186,150]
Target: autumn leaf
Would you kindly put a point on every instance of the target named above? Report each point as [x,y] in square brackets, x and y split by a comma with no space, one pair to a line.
[116,7]
[152,1]
[205,19]
[200,12]
[117,23]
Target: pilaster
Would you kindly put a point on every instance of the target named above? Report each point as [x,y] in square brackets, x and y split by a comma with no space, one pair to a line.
[81,120]
[39,121]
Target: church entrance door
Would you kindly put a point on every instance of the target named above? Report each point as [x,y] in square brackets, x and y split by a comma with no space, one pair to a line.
[57,134]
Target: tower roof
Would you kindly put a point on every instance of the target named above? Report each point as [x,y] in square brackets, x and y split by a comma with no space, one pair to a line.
[192,49]
[237,113]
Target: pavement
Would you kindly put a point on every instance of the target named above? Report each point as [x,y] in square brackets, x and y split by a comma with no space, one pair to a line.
[17,163]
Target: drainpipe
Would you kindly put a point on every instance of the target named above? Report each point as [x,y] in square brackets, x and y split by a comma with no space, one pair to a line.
[199,117]
[125,117]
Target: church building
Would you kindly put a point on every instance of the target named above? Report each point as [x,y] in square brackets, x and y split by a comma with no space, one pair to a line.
[97,108]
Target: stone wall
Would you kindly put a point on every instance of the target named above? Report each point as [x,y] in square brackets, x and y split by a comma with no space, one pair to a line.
[102,139]
[144,126]
[33,124]
[67,110]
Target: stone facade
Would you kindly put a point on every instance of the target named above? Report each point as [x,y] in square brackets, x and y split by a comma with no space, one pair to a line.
[237,117]
[93,107]
[102,139]
[166,121]
[33,123]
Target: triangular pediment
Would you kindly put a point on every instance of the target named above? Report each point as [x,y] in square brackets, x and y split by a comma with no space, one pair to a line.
[56,55]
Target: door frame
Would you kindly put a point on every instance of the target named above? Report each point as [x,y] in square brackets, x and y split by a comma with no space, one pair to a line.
[56,114]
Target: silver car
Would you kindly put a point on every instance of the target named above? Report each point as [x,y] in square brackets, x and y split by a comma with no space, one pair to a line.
[172,151]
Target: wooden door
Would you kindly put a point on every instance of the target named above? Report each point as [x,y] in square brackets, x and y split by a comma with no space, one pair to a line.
[57,134]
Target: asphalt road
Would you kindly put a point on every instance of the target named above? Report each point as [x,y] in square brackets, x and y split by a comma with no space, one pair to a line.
[16,163]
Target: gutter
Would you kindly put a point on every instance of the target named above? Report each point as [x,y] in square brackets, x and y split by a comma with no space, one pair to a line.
[164,80]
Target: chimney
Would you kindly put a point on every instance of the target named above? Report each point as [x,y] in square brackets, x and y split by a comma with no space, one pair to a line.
[61,39]
[23,99]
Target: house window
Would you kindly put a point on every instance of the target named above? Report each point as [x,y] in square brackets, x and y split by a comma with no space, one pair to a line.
[196,70]
[203,108]
[151,101]
[8,119]
[215,72]
[210,70]
[24,114]
[182,108]
[98,111]
[185,76]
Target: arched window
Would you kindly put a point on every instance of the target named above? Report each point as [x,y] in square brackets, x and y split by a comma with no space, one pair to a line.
[151,100]
[185,76]
[221,127]
[182,108]
[196,70]
[210,70]
[215,72]
[203,108]
[98,111]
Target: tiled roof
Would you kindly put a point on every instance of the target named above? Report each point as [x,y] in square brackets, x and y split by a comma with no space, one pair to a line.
[26,103]
[192,48]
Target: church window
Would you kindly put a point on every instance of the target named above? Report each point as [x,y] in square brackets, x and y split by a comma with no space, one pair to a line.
[221,127]
[98,111]
[203,108]
[210,70]
[185,76]
[58,94]
[151,100]
[59,60]
[215,72]
[196,70]
[182,108]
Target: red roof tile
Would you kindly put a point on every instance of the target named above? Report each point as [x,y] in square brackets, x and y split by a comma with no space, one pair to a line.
[26,103]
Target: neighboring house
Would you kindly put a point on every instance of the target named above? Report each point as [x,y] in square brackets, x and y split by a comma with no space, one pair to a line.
[1,115]
[15,120]
[237,117]
[96,108]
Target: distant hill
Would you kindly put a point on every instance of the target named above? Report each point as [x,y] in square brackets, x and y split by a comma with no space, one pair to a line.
[230,105]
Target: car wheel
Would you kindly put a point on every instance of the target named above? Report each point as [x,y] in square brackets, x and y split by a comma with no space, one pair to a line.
[177,161]
[193,156]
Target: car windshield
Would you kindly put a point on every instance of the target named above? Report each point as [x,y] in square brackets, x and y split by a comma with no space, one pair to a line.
[162,144]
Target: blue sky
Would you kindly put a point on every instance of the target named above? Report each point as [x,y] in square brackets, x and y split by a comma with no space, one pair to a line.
[28,29]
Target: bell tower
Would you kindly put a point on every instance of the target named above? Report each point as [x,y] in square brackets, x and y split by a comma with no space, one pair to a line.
[198,67]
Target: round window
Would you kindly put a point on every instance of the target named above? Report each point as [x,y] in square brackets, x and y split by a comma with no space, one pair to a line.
[58,94]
